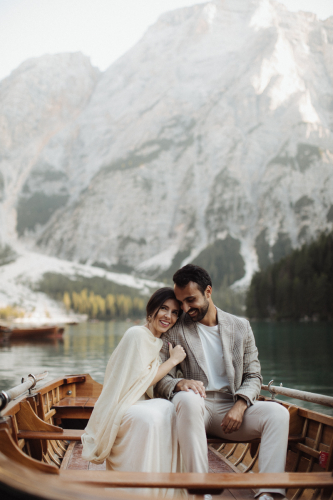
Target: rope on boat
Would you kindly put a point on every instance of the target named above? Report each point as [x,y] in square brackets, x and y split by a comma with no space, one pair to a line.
[7,396]
[297,394]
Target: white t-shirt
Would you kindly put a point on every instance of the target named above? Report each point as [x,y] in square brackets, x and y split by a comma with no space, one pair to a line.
[212,347]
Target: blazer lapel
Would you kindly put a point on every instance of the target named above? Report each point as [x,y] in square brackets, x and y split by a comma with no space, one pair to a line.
[193,339]
[227,338]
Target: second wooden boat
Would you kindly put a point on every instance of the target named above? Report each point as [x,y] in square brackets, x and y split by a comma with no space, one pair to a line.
[35,332]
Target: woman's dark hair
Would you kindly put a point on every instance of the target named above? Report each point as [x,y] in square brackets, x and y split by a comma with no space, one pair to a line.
[190,272]
[157,300]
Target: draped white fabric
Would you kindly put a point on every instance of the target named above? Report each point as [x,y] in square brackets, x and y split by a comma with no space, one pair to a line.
[129,373]
[147,442]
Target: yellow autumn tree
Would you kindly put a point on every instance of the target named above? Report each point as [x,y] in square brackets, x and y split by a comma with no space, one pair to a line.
[111,305]
[67,301]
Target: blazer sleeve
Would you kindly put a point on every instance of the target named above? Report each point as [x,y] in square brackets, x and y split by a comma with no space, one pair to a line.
[166,386]
[252,379]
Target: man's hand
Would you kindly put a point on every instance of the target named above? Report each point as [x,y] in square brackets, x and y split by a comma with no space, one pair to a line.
[196,386]
[234,418]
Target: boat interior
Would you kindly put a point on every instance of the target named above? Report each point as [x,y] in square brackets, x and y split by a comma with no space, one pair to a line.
[40,453]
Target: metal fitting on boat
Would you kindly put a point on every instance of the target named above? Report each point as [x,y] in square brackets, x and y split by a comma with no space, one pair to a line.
[270,390]
[35,382]
[4,400]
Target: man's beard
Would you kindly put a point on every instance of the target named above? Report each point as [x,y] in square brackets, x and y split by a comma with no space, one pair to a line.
[201,312]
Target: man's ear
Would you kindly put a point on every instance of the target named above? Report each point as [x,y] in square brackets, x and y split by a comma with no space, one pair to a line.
[208,292]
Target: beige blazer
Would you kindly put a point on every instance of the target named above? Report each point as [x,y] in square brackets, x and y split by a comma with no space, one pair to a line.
[239,351]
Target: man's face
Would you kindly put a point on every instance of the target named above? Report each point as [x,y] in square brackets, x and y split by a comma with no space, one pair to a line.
[193,302]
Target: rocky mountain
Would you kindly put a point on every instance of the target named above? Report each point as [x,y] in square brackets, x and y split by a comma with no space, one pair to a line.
[210,141]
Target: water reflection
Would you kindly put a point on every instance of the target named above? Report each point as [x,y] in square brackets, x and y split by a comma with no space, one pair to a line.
[298,355]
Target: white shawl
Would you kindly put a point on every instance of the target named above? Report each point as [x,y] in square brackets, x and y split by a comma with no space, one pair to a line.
[129,373]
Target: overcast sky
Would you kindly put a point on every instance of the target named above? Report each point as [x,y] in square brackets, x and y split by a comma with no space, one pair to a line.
[101,29]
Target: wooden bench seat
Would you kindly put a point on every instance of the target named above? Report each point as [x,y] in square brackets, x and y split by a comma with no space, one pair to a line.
[78,407]
[75,435]
[298,438]
[196,482]
[66,434]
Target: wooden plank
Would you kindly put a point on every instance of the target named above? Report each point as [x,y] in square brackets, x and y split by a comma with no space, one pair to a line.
[81,413]
[198,481]
[49,414]
[74,379]
[217,440]
[91,403]
[68,390]
[71,402]
[66,434]
[311,442]
[318,417]
[58,382]
[28,420]
[10,449]
[306,449]
[67,456]
[89,388]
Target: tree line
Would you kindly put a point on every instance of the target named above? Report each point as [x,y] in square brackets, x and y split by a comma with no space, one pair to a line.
[110,307]
[298,286]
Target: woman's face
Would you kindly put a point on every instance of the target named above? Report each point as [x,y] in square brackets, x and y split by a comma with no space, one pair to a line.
[165,318]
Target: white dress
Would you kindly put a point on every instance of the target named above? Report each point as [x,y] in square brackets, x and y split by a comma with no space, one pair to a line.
[127,429]
[147,442]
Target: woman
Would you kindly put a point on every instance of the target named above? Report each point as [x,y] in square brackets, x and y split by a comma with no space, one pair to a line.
[128,429]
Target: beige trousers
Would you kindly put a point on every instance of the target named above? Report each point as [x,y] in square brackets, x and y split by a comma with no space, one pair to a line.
[197,416]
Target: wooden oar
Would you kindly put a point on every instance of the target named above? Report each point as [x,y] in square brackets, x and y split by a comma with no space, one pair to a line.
[7,396]
[320,399]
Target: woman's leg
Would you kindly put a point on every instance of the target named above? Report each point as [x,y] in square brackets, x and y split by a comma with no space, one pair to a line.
[147,441]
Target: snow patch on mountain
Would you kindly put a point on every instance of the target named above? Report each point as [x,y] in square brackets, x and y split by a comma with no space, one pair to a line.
[19,280]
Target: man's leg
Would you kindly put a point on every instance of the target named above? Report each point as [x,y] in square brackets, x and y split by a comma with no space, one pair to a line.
[267,420]
[190,409]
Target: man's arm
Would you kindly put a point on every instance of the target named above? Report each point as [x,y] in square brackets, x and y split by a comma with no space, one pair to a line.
[171,384]
[252,379]
[250,387]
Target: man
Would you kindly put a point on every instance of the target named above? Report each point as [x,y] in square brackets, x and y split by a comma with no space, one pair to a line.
[215,388]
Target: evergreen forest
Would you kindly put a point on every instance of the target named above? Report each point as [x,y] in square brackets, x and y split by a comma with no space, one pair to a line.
[299,286]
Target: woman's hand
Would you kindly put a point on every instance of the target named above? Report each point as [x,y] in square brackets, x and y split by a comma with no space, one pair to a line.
[177,354]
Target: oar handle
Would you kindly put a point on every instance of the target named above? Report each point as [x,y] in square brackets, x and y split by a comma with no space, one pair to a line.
[30,383]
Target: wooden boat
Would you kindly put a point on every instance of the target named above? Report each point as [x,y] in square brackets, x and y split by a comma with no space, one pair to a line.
[4,334]
[35,332]
[40,450]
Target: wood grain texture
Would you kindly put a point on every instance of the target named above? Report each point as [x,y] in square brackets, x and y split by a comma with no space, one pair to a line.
[28,420]
[199,481]
[12,451]
[66,434]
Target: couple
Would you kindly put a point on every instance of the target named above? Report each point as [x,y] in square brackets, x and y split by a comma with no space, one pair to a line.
[203,366]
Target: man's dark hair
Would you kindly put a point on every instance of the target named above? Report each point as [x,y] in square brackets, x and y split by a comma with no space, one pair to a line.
[190,272]
[157,300]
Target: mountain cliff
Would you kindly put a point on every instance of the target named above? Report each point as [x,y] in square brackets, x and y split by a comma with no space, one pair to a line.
[210,141]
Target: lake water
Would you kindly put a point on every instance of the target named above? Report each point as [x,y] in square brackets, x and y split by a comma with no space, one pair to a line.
[297,354]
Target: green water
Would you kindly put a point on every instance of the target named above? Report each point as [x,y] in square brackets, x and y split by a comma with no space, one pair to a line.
[298,355]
